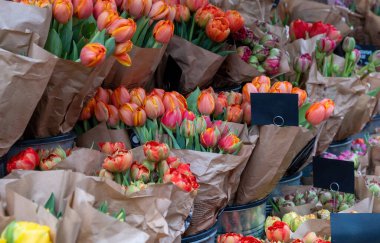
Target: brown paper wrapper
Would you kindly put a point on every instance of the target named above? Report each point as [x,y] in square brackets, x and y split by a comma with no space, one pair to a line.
[374,160]
[198,65]
[320,226]
[372,26]
[364,206]
[23,82]
[101,133]
[276,148]
[29,19]
[362,191]
[216,183]
[70,85]
[141,74]
[16,41]
[373,79]
[255,9]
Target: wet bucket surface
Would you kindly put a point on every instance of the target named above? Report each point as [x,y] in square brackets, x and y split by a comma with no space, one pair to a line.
[337,147]
[207,236]
[293,180]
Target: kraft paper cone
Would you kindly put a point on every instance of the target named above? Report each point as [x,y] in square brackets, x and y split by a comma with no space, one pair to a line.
[362,191]
[276,148]
[372,22]
[141,74]
[255,9]
[16,41]
[70,85]
[215,176]
[373,79]
[198,66]
[374,159]
[26,18]
[23,80]
[364,206]
[319,226]
[100,133]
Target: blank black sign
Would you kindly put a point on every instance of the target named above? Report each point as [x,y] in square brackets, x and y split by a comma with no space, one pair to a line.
[277,109]
[332,174]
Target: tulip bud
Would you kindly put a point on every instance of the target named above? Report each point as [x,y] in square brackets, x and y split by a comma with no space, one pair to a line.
[357,55]
[326,45]
[217,29]
[172,118]
[163,31]
[110,148]
[348,44]
[104,5]
[139,117]
[275,52]
[182,13]
[125,113]
[113,118]
[194,5]
[200,124]
[229,238]
[121,53]
[154,107]
[270,221]
[246,107]
[62,10]
[268,41]
[156,152]
[333,33]
[103,173]
[235,20]
[122,29]
[230,144]
[253,60]
[205,14]
[83,8]
[137,8]
[206,103]
[186,114]
[221,104]
[159,10]
[187,129]
[159,92]
[272,65]
[302,95]
[329,106]
[281,87]
[279,231]
[210,137]
[315,114]
[101,112]
[118,162]
[248,88]
[302,63]
[106,18]
[375,58]
[234,114]
[93,54]
[244,52]
[120,96]
[138,96]
[235,98]
[374,189]
[140,173]
[260,52]
[50,162]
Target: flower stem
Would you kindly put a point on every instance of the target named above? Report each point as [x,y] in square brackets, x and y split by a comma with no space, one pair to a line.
[192,28]
[298,77]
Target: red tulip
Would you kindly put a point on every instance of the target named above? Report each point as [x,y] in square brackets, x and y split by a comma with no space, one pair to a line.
[104,5]
[153,106]
[93,54]
[234,114]
[210,137]
[250,239]
[138,96]
[302,95]
[121,53]
[246,107]
[172,118]
[316,114]
[182,13]
[262,84]
[140,173]
[279,231]
[235,20]
[110,148]
[27,159]
[159,92]
[156,152]
[83,8]
[206,103]
[122,29]
[329,106]
[139,117]
[207,13]
[159,10]
[217,29]
[297,241]
[172,175]
[298,29]
[118,162]
[194,5]
[282,87]
[318,28]
[186,114]
[101,111]
[113,119]
[62,10]
[120,96]
[106,18]
[229,238]
[248,88]
[125,113]
[173,162]
[235,98]
[163,31]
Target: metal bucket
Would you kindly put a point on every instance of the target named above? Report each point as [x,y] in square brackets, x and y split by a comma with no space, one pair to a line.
[337,147]
[207,236]
[293,180]
[248,219]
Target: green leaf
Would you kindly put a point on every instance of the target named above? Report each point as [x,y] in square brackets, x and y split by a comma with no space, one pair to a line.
[81,43]
[192,101]
[103,207]
[225,53]
[144,31]
[50,204]
[53,43]
[124,15]
[170,133]
[88,30]
[110,45]
[140,24]
[302,112]
[180,139]
[373,93]
[66,34]
[121,215]
[74,55]
[99,37]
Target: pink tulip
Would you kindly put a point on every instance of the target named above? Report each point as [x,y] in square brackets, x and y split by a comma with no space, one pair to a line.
[101,111]
[102,95]
[189,115]
[103,5]
[206,103]
[194,5]
[83,8]
[93,54]
[210,137]
[172,118]
[159,10]
[62,10]
[122,29]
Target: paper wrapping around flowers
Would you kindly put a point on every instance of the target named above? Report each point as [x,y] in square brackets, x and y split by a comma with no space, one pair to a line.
[100,133]
[373,79]
[70,85]
[372,26]
[197,65]
[24,79]
[362,191]
[26,18]
[216,176]
[16,41]
[374,160]
[274,152]
[141,74]
[319,226]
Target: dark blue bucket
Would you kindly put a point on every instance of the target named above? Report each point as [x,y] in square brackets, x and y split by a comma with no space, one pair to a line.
[236,88]
[337,147]
[207,236]
[293,180]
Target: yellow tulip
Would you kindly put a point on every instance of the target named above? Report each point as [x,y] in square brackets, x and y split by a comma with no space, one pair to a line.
[26,232]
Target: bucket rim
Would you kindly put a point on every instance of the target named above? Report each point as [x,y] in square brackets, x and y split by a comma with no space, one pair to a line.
[294,177]
[59,138]
[248,205]
[201,235]
[341,142]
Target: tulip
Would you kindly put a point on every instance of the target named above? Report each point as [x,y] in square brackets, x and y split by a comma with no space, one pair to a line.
[136,187]
[235,98]
[357,55]
[118,162]
[27,232]
[244,52]
[348,44]
[260,52]
[104,5]
[194,5]
[27,159]
[230,144]
[302,95]
[205,14]
[159,10]
[279,231]
[262,83]
[208,121]
[173,100]
[200,124]
[189,115]
[229,238]
[93,54]
[83,8]
[234,114]
[235,20]
[315,114]
[122,29]
[270,221]
[318,28]
[113,119]
[137,8]
[221,104]
[182,13]
[250,239]
[156,152]
[153,106]
[125,113]
[159,92]
[302,63]
[163,31]
[181,99]
[334,34]
[272,65]
[163,167]
[172,118]
[246,107]
[297,241]
[281,87]
[62,10]
[310,237]
[222,127]
[187,128]
[120,96]
[217,29]
[101,111]
[86,113]
[121,53]
[106,19]
[270,41]
[248,88]
[329,106]
[50,162]
[139,117]
[171,14]
[138,96]
[103,173]
[206,103]
[326,45]
[102,95]
[210,137]
[140,173]
[178,179]
[59,152]
[110,148]
[298,29]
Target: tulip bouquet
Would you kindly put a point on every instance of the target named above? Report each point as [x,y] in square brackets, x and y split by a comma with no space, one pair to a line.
[22,231]
[237,238]
[157,167]
[299,29]
[121,215]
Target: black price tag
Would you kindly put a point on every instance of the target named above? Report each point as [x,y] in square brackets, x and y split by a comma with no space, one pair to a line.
[365,52]
[277,109]
[355,227]
[335,175]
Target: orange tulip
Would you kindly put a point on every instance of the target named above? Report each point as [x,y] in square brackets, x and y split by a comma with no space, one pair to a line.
[173,100]
[234,98]
[182,13]
[315,114]
[235,20]
[138,96]
[163,31]
[234,114]
[194,5]
[302,95]
[171,14]
[103,5]
[262,83]
[113,119]
[246,107]
[205,14]
[137,8]
[206,103]
[110,148]
[230,144]
[122,29]
[159,10]
[154,107]
[159,92]
[181,99]
[248,88]
[62,10]
[329,106]
[106,18]
[88,110]
[125,113]
[102,95]
[221,104]
[120,96]
[139,117]
[281,87]
[93,54]
[83,8]
[121,53]
[210,137]
[101,111]
[120,161]
[218,29]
